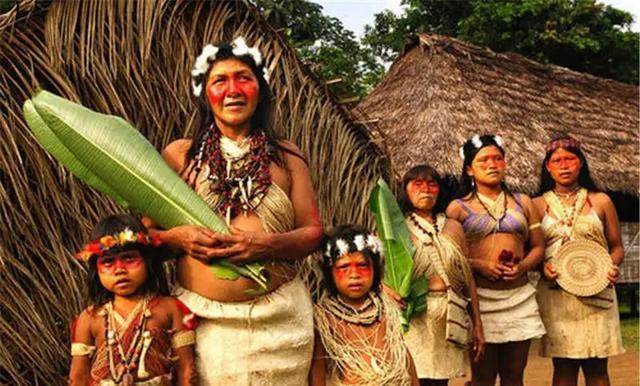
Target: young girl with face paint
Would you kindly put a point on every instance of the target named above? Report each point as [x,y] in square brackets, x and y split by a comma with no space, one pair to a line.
[572,207]
[505,242]
[132,333]
[359,335]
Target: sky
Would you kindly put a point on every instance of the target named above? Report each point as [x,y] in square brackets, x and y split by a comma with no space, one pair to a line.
[354,14]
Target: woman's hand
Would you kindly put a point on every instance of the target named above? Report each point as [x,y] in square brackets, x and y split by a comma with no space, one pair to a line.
[194,240]
[241,247]
[478,343]
[514,272]
[613,274]
[492,270]
[549,272]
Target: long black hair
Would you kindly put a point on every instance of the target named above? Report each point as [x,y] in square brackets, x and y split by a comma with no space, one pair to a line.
[584,177]
[347,233]
[422,172]
[261,119]
[155,282]
[470,149]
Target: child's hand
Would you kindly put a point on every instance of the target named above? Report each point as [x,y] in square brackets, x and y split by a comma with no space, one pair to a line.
[394,295]
[242,247]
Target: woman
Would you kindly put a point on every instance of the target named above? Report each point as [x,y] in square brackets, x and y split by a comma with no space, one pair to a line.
[572,208]
[505,242]
[440,255]
[261,186]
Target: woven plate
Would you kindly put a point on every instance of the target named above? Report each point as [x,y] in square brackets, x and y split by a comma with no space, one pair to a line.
[582,267]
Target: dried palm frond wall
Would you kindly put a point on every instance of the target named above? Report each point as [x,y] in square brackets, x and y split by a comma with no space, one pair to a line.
[131,59]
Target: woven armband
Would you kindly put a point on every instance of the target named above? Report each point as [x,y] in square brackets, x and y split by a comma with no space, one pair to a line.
[183,338]
[534,226]
[81,349]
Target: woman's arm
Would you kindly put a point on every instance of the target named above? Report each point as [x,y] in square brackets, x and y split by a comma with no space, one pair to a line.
[612,233]
[536,243]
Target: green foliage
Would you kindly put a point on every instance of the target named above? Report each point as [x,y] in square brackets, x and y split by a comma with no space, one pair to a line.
[113,157]
[398,251]
[579,34]
[332,52]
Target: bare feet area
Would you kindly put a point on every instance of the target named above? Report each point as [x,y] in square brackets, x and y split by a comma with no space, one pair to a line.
[623,370]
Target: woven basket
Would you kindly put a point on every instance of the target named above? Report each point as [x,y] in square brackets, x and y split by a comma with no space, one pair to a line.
[582,267]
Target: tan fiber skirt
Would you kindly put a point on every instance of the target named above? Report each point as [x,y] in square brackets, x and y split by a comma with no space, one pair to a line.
[265,341]
[434,357]
[510,315]
[577,330]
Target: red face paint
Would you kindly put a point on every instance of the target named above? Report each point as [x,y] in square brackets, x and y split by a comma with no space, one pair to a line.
[564,161]
[111,264]
[345,269]
[426,186]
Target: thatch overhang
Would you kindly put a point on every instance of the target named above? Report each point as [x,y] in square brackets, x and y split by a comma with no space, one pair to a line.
[132,59]
[441,91]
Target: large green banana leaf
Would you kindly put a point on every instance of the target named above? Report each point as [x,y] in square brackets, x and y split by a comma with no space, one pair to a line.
[109,154]
[398,251]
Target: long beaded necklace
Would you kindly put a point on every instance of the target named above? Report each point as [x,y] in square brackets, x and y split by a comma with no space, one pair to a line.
[365,315]
[239,172]
[495,207]
[123,372]
[569,213]
[431,233]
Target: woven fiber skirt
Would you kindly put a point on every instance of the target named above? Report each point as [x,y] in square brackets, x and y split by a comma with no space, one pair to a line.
[265,341]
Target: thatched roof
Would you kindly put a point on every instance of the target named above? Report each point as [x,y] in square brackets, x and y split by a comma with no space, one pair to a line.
[132,59]
[441,91]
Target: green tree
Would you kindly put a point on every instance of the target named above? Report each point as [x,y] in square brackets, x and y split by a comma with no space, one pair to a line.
[331,51]
[583,35]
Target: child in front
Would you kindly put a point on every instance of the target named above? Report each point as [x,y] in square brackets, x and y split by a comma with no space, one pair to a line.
[359,333]
[132,333]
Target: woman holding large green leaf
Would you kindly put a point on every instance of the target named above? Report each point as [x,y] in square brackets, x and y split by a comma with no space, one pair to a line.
[440,257]
[261,186]
[505,242]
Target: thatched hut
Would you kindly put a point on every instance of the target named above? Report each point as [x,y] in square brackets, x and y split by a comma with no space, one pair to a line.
[131,59]
[441,91]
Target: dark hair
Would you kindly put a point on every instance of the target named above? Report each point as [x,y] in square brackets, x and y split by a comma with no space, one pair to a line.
[155,283]
[347,233]
[470,151]
[422,172]
[261,119]
[584,177]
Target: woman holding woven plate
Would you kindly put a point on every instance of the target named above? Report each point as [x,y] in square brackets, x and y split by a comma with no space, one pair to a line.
[584,250]
[505,242]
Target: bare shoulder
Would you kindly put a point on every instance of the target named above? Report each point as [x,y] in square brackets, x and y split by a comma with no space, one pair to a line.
[453,210]
[293,155]
[600,198]
[539,204]
[175,152]
[453,229]
[84,326]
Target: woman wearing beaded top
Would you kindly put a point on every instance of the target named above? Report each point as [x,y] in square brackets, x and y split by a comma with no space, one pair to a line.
[505,242]
[261,186]
[440,255]
[572,208]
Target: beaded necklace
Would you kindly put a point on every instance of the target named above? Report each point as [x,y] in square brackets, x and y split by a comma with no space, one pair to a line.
[495,206]
[567,195]
[365,315]
[239,172]
[123,372]
[431,233]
